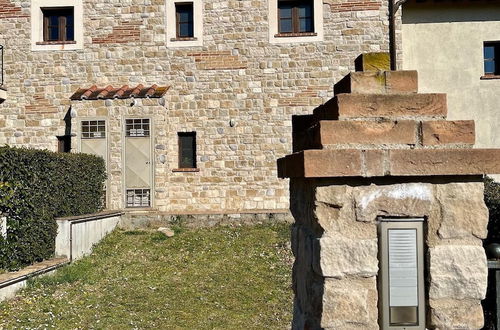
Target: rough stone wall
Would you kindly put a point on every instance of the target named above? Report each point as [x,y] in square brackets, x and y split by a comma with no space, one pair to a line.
[236,75]
[336,248]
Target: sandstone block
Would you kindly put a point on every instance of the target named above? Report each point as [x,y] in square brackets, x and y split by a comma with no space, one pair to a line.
[409,200]
[456,314]
[444,161]
[337,256]
[349,304]
[391,105]
[373,62]
[464,213]
[448,132]
[457,272]
[374,163]
[378,82]
[401,81]
[366,132]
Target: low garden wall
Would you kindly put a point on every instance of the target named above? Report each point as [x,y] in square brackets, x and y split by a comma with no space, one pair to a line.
[77,235]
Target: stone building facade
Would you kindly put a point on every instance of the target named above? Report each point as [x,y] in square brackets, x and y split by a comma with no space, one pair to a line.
[235,84]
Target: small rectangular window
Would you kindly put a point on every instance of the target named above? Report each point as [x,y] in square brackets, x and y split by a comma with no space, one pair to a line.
[137,127]
[184,20]
[93,129]
[492,58]
[187,150]
[295,16]
[58,24]
[138,198]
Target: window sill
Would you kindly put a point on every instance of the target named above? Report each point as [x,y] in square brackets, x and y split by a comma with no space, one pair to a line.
[295,35]
[72,42]
[186,170]
[184,39]
[490,77]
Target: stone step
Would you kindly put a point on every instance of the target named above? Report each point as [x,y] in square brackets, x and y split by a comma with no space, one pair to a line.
[367,133]
[378,82]
[388,106]
[399,162]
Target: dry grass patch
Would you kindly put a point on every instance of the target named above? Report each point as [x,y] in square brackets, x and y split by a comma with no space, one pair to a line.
[218,278]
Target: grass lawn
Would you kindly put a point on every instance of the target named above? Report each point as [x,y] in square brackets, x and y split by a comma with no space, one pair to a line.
[217,278]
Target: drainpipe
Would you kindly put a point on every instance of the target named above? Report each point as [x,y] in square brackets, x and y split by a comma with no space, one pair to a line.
[393,9]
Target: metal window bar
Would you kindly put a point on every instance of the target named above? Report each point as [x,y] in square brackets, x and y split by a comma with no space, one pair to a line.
[93,129]
[1,66]
[137,127]
[138,198]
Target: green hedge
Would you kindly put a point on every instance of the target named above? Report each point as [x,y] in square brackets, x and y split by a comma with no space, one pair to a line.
[492,200]
[38,186]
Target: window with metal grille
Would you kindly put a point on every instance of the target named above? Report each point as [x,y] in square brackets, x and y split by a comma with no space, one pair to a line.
[184,19]
[93,129]
[58,24]
[138,198]
[295,16]
[492,58]
[137,127]
[187,149]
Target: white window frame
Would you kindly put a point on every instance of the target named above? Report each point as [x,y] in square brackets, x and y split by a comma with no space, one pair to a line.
[37,24]
[172,26]
[273,24]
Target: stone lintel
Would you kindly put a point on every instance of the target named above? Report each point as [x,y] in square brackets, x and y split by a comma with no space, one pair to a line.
[376,163]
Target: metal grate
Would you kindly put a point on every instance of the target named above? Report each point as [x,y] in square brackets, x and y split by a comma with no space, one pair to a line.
[138,198]
[1,65]
[93,129]
[137,127]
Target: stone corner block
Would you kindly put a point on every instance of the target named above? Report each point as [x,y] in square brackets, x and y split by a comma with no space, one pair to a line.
[458,272]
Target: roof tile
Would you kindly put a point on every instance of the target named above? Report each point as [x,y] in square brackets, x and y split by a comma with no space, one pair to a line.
[124,92]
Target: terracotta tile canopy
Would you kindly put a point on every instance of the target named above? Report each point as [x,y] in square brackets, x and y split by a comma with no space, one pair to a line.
[124,92]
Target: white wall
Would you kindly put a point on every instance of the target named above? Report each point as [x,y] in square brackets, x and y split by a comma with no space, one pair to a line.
[445,45]
[75,238]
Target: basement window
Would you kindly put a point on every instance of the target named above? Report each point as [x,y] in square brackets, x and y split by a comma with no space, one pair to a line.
[138,197]
[491,59]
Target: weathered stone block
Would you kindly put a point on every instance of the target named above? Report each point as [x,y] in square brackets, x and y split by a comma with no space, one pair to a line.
[366,132]
[337,256]
[350,304]
[373,62]
[407,199]
[391,105]
[464,213]
[457,272]
[441,132]
[456,314]
[401,81]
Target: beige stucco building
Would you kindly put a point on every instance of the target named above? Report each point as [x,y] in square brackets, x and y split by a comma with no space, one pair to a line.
[446,43]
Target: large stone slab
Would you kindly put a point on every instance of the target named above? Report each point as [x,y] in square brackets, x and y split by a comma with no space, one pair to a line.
[457,272]
[337,256]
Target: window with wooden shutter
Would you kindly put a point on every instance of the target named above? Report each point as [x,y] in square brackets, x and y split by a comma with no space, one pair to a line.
[187,149]
[58,24]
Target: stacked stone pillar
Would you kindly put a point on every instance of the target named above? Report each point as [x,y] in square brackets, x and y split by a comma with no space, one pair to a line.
[379,148]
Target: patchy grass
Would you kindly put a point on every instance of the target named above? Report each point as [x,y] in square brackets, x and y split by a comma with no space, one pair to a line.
[218,278]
